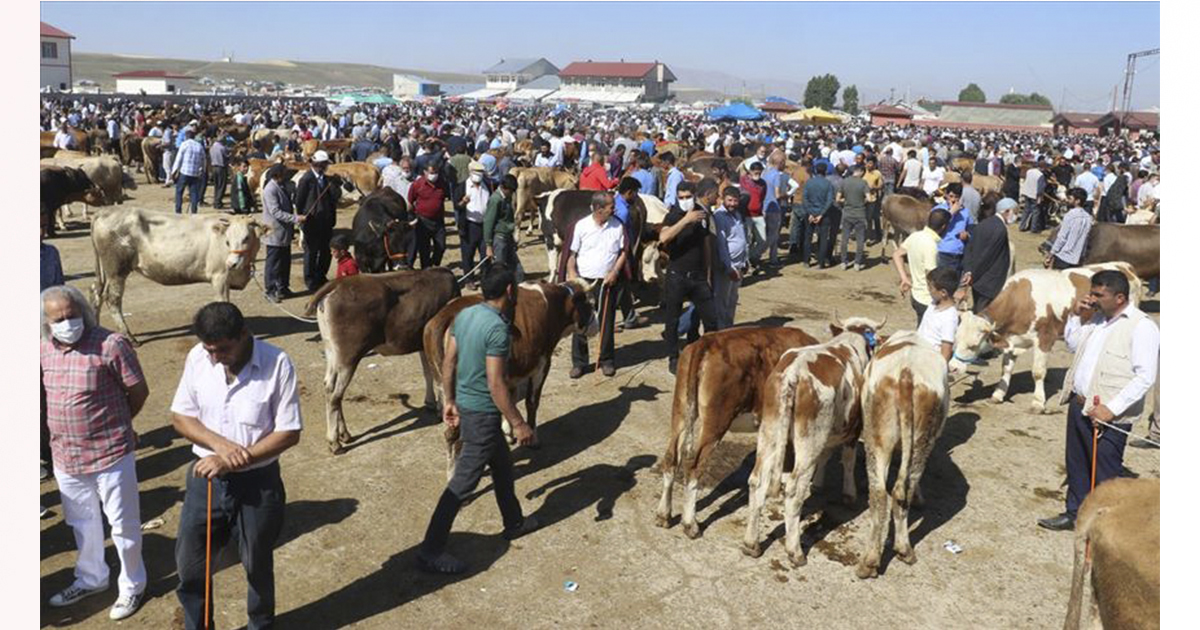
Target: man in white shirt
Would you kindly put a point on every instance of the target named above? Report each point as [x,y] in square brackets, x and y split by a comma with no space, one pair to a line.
[598,252]
[1088,181]
[238,404]
[910,174]
[1116,363]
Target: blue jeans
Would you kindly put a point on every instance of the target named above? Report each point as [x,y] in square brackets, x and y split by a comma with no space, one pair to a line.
[1109,455]
[195,188]
[954,261]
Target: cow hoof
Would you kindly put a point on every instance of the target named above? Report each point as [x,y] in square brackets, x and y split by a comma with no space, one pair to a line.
[909,558]
[345,437]
[431,405]
[691,530]
[1037,409]
[662,521]
[754,551]
[798,560]
[336,448]
[865,572]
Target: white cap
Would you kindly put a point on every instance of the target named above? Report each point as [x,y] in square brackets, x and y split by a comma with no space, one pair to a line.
[320,156]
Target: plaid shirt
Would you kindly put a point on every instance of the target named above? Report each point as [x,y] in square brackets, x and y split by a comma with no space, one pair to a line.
[190,159]
[86,405]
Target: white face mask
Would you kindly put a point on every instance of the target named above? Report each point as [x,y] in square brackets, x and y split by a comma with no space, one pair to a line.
[687,205]
[67,331]
[476,177]
[432,177]
[406,174]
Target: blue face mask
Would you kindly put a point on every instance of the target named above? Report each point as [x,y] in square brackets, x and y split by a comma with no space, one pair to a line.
[871,340]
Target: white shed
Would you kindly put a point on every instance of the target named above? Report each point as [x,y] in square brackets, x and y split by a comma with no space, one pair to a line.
[56,58]
[152,82]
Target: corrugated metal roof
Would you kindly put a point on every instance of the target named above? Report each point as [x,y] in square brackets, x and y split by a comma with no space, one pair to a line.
[995,114]
[1079,119]
[511,66]
[993,105]
[149,74]
[606,69]
[889,110]
[1132,120]
[547,82]
[50,31]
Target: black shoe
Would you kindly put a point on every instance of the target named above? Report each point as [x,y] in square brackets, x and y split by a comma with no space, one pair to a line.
[1062,523]
[608,369]
[528,525]
[444,564]
[576,372]
[672,365]
[273,298]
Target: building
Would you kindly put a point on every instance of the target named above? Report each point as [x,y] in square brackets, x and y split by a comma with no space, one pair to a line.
[614,82]
[407,86]
[152,82]
[511,74]
[1076,123]
[1134,122]
[56,58]
[992,116]
[883,115]
[536,89]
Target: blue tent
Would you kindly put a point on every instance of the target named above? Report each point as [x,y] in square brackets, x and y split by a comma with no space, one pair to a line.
[735,111]
[780,99]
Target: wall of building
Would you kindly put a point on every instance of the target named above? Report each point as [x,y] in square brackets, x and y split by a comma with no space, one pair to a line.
[153,86]
[56,70]
[884,119]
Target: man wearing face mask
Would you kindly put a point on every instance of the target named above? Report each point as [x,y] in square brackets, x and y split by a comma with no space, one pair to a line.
[94,389]
[688,241]
[427,198]
[316,199]
[474,202]
[499,222]
[398,176]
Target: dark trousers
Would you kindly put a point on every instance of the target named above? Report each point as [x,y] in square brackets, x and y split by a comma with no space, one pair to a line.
[821,229]
[693,287]
[1058,263]
[979,301]
[195,188]
[470,242]
[249,506]
[504,252]
[874,221]
[277,269]
[858,228]
[220,180]
[317,258]
[919,309]
[431,241]
[607,316]
[1109,455]
[1032,220]
[954,261]
[483,444]
[45,456]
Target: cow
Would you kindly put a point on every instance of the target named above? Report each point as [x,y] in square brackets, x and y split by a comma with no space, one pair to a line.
[1108,242]
[83,141]
[131,149]
[811,407]
[562,209]
[363,176]
[1118,525]
[533,181]
[545,313]
[104,171]
[1029,313]
[905,402]
[170,249]
[152,157]
[380,228]
[385,313]
[901,215]
[720,377]
[987,183]
[64,184]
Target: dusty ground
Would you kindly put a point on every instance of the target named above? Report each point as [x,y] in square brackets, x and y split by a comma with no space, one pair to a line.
[353,521]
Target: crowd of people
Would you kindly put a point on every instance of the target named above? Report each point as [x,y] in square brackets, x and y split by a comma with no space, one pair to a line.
[718,231]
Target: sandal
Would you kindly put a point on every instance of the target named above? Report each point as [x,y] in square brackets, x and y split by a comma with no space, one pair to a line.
[444,564]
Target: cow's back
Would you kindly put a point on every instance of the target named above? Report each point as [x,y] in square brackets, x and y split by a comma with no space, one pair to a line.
[1029,296]
[420,298]
[166,248]
[1137,245]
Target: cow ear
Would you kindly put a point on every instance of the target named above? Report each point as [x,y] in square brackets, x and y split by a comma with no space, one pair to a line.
[221,226]
[835,330]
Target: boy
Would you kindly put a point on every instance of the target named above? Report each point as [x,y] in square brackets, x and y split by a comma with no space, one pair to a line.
[242,201]
[340,247]
[940,321]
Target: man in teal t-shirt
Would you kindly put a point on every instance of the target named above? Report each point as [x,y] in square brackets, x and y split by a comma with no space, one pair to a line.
[476,357]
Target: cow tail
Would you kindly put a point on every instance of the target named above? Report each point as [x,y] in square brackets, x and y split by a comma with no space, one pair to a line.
[689,413]
[100,283]
[311,309]
[1082,568]
[789,383]
[905,401]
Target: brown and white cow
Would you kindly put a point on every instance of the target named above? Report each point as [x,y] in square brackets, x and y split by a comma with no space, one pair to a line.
[719,378]
[545,313]
[385,313]
[905,401]
[533,181]
[1030,313]
[1120,522]
[170,249]
[810,404]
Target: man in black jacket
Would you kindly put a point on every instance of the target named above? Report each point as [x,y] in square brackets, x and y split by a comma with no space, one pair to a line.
[316,199]
[687,239]
[986,258]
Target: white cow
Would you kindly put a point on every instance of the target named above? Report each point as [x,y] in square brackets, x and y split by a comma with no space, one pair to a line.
[170,249]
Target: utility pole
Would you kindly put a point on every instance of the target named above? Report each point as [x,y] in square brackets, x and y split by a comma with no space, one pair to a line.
[892,96]
[1130,70]
[1062,99]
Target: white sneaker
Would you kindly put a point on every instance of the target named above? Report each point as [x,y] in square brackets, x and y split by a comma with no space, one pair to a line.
[74,593]
[126,605]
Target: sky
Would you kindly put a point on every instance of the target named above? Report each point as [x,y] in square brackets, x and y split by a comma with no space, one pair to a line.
[1072,52]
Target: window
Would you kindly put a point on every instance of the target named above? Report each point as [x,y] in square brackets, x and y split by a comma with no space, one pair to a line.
[49,50]
[170,87]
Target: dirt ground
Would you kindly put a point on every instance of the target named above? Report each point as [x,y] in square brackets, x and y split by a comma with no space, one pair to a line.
[347,554]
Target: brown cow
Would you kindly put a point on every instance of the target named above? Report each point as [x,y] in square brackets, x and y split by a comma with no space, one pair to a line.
[1120,522]
[1137,245]
[131,149]
[83,141]
[365,177]
[533,181]
[720,377]
[384,312]
[64,184]
[152,156]
[545,313]
[901,215]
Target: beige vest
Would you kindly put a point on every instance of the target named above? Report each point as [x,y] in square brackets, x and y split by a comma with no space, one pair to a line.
[1114,367]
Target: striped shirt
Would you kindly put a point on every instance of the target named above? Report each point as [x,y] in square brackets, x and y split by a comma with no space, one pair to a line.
[1072,236]
[87,408]
[189,160]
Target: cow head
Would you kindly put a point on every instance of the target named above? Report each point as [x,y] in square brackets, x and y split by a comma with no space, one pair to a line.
[392,234]
[583,316]
[861,325]
[240,236]
[974,336]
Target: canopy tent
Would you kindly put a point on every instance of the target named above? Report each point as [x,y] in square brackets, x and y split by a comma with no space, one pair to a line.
[813,115]
[780,99]
[370,99]
[735,111]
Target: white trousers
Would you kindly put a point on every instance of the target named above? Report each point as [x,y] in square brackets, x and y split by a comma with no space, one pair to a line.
[168,162]
[115,489]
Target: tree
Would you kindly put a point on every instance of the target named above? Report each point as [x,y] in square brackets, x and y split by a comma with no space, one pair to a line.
[821,91]
[741,99]
[1014,99]
[850,100]
[972,94]
[1038,99]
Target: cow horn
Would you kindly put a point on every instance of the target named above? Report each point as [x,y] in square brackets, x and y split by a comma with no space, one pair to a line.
[837,318]
[881,324]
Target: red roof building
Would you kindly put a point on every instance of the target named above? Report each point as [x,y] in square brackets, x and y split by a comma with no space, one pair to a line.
[617,82]
[1076,122]
[51,31]
[56,73]
[882,115]
[1135,122]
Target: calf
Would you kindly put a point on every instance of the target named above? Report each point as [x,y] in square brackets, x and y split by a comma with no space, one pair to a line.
[1029,313]
[902,215]
[104,171]
[905,401]
[720,377]
[64,184]
[1120,522]
[380,228]
[545,313]
[811,405]
[385,313]
[170,249]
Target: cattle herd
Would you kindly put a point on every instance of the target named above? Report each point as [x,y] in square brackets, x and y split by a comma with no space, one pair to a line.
[809,398]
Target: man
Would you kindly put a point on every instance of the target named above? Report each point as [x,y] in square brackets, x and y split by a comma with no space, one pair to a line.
[1116,363]
[398,176]
[732,256]
[854,190]
[217,155]
[810,217]
[686,237]
[778,183]
[986,258]
[362,149]
[499,223]
[64,140]
[910,174]
[674,178]
[971,199]
[627,196]
[316,199]
[1032,188]
[950,249]
[238,403]
[595,176]
[1069,245]
[598,253]
[1112,206]
[544,158]
[427,198]
[875,194]
[241,199]
[753,186]
[280,219]
[52,276]
[456,173]
[187,171]
[759,157]
[1088,181]
[889,167]
[476,193]
[94,388]
[114,134]
[476,397]
[919,251]
[642,174]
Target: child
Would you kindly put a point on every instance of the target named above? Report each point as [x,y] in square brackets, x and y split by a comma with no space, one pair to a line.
[243,200]
[340,246]
[940,321]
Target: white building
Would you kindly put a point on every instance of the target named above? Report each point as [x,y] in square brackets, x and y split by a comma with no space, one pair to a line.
[56,58]
[511,75]
[152,82]
[613,82]
[407,86]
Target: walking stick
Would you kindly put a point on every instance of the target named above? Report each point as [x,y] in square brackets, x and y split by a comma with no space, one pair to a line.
[1087,545]
[208,561]
[604,293]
